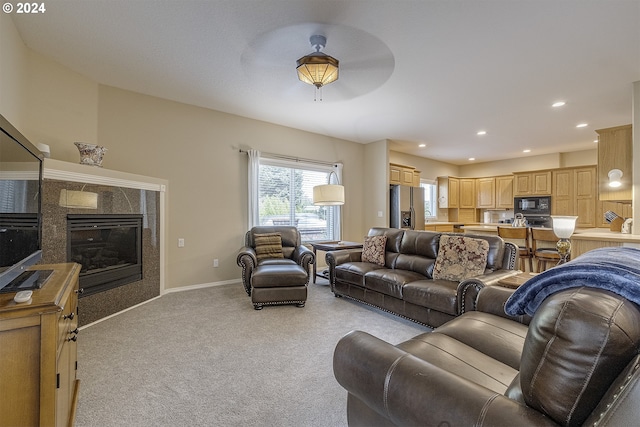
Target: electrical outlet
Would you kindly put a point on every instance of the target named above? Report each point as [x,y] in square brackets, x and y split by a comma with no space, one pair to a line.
[215,262]
[181,243]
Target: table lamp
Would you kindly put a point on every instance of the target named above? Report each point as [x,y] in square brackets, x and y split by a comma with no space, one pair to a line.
[563,227]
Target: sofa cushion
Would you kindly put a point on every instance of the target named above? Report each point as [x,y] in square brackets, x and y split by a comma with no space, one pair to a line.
[439,295]
[390,281]
[460,257]
[585,337]
[393,235]
[373,249]
[423,243]
[353,272]
[268,245]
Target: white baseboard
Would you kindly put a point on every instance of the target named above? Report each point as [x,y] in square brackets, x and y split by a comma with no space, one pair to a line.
[166,291]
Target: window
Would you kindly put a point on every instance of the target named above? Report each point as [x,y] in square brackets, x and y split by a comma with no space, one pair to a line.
[285,197]
[430,198]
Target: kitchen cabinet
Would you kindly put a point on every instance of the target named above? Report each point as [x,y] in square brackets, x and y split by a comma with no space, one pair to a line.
[504,192]
[467,193]
[443,228]
[536,183]
[403,175]
[574,193]
[486,192]
[448,192]
[623,209]
[615,151]
[39,353]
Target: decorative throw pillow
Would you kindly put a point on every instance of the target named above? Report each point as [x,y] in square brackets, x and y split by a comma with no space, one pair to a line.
[460,257]
[373,249]
[268,245]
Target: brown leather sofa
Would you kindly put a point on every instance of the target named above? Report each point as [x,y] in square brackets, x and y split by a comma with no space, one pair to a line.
[575,364]
[405,286]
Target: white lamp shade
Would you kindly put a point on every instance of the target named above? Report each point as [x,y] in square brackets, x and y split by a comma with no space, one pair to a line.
[328,195]
[564,226]
[78,199]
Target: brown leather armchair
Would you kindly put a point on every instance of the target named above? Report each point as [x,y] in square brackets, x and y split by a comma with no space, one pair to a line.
[576,363]
[283,280]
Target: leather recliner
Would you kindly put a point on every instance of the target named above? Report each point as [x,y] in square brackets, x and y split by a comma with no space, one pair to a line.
[281,280]
[576,363]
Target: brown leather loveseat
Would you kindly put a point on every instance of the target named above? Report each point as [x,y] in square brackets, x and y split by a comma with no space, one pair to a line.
[575,362]
[404,284]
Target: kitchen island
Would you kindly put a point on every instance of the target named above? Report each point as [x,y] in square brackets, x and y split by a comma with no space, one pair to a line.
[584,240]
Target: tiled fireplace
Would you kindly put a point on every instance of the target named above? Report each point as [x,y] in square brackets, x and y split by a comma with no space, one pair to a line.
[114,201]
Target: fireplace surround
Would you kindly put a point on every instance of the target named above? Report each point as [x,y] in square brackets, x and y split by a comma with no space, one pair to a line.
[119,195]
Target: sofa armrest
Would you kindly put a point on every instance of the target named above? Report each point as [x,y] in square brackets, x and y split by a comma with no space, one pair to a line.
[469,289]
[335,258]
[248,261]
[409,391]
[492,299]
[303,256]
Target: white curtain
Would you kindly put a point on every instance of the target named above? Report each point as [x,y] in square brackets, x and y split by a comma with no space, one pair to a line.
[337,210]
[254,183]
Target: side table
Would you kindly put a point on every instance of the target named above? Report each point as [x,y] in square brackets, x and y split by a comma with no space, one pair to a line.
[329,247]
[514,282]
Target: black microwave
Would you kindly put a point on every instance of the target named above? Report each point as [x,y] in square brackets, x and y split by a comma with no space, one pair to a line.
[539,205]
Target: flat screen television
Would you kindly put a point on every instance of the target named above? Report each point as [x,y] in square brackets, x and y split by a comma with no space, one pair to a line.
[21,167]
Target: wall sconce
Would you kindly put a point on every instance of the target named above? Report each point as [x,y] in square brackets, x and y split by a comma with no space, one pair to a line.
[614,178]
[78,199]
[563,227]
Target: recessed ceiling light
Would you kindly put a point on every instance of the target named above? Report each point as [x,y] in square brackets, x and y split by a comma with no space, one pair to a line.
[472,158]
[482,132]
[526,151]
[582,125]
[422,145]
[595,140]
[558,104]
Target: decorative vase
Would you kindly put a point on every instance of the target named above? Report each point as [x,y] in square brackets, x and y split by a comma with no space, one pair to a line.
[90,154]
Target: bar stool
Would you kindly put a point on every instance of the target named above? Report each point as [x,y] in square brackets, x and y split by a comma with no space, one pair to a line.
[544,255]
[521,237]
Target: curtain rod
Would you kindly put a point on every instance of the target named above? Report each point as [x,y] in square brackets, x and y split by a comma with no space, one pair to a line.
[294,159]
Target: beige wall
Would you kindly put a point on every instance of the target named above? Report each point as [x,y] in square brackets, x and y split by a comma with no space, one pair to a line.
[197,150]
[376,204]
[13,71]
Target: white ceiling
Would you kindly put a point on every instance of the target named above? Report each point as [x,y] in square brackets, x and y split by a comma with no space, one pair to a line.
[412,71]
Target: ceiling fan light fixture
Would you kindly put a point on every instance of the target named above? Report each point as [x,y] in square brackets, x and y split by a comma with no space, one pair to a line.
[318,68]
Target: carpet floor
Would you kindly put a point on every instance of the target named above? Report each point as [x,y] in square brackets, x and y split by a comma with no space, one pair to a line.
[205,357]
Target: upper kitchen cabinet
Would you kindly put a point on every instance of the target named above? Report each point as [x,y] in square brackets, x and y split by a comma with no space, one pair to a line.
[615,152]
[532,183]
[403,175]
[504,192]
[467,193]
[574,193]
[486,192]
[448,192]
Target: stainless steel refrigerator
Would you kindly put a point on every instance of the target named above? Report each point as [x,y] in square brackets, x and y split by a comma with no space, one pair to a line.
[407,207]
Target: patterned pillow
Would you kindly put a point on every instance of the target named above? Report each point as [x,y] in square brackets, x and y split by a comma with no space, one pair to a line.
[373,249]
[268,245]
[460,257]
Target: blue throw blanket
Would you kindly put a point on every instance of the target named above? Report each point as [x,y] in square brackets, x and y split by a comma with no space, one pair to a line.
[613,269]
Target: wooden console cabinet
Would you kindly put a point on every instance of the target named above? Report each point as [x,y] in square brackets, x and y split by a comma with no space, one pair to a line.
[38,352]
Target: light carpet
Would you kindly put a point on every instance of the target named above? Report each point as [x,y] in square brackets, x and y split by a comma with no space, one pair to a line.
[206,358]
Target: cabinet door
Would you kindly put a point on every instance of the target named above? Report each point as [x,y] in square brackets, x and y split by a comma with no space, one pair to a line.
[522,184]
[467,193]
[448,192]
[563,201]
[504,192]
[416,178]
[395,173]
[585,196]
[486,193]
[541,183]
[407,177]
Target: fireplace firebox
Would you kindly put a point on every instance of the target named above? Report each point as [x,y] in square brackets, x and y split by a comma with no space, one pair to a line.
[108,247]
